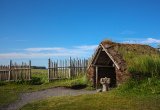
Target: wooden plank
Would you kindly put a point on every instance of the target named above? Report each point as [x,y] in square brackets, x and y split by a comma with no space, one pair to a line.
[103,66]
[96,56]
[48,69]
[30,73]
[9,75]
[93,56]
[96,77]
[110,57]
[57,75]
[70,64]
[67,68]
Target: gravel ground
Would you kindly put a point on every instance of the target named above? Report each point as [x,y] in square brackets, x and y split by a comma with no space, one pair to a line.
[38,95]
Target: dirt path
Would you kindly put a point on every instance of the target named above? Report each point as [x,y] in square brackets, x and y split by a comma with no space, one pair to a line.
[38,95]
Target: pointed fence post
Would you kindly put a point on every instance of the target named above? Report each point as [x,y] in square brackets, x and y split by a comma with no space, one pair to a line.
[9,75]
[29,69]
[70,67]
[49,69]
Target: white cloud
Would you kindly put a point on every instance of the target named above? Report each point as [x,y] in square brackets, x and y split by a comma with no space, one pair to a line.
[44,49]
[50,52]
[32,55]
[143,41]
[87,47]
[150,41]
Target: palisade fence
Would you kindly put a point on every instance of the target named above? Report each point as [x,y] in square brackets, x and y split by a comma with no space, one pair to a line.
[61,69]
[14,71]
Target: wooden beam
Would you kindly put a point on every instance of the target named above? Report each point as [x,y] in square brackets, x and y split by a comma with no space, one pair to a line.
[110,56]
[93,56]
[103,66]
[9,75]
[96,77]
[30,70]
[97,56]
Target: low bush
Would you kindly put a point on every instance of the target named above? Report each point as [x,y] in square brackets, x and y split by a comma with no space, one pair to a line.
[79,83]
[35,81]
[41,73]
[21,82]
[2,83]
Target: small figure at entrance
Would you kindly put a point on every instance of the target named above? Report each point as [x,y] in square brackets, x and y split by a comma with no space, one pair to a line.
[105,83]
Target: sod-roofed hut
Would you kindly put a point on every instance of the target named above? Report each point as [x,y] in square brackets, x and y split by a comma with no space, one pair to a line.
[109,60]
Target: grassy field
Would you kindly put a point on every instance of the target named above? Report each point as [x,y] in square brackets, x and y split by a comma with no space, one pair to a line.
[99,101]
[135,94]
[130,96]
[9,91]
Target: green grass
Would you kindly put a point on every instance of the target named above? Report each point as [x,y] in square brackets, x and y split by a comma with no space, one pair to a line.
[145,87]
[99,101]
[41,73]
[9,91]
[133,95]
[143,61]
[145,65]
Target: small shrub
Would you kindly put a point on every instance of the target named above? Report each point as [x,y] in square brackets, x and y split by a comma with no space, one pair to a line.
[35,81]
[40,73]
[20,82]
[79,83]
[2,83]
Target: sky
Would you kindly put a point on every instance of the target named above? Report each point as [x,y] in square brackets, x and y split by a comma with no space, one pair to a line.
[40,29]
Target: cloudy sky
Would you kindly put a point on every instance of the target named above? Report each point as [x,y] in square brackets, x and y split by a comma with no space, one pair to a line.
[40,29]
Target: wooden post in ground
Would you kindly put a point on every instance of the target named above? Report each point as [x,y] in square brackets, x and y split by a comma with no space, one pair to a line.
[16,66]
[57,70]
[9,75]
[29,69]
[96,77]
[48,69]
[70,67]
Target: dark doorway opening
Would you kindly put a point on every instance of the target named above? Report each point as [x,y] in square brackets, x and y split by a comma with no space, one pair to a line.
[104,67]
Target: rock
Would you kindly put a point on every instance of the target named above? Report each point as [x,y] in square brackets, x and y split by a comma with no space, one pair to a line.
[99,90]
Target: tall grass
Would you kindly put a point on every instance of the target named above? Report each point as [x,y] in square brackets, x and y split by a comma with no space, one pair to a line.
[134,87]
[40,73]
[145,71]
[144,65]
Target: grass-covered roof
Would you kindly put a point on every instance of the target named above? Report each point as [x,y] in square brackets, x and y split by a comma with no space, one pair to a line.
[132,57]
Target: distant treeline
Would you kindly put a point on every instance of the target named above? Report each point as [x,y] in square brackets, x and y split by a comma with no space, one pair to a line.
[38,67]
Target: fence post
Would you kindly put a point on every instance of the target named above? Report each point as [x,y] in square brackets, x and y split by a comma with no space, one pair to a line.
[29,69]
[70,67]
[9,75]
[49,69]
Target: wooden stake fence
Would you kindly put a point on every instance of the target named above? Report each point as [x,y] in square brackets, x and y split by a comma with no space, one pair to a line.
[13,71]
[62,69]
